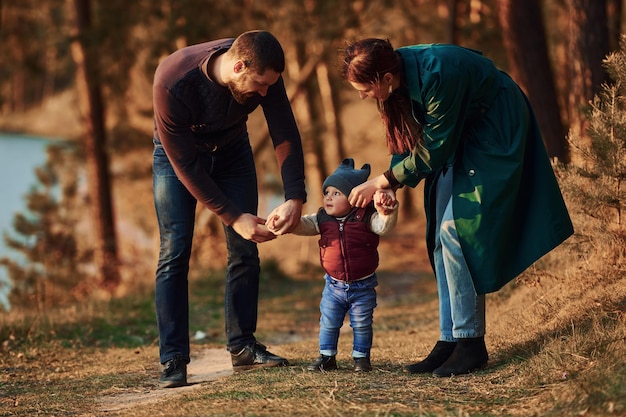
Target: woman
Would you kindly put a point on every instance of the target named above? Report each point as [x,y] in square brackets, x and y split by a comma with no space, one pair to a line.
[493,205]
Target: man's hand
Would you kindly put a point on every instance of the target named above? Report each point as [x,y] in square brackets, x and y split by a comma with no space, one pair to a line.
[284,218]
[252,228]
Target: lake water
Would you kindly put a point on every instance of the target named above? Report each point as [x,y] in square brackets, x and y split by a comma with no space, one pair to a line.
[19,156]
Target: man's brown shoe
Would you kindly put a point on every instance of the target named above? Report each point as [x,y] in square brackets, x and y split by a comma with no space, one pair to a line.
[174,373]
[255,355]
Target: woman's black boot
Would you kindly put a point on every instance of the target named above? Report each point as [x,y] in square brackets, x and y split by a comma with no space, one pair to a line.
[440,353]
[468,356]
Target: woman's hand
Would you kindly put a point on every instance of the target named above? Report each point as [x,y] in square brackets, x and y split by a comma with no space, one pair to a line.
[361,195]
[385,201]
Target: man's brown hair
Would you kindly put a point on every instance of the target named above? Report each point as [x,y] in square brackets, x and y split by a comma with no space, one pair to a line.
[260,51]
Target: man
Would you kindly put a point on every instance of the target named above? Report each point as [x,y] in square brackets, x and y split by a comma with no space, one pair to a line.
[202,97]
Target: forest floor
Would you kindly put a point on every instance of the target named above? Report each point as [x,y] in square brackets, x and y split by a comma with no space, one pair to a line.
[556,346]
[207,364]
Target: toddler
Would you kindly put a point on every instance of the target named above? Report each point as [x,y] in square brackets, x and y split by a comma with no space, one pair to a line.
[349,256]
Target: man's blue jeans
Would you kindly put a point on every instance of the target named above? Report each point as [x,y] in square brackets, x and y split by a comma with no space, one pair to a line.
[461,310]
[232,168]
[338,298]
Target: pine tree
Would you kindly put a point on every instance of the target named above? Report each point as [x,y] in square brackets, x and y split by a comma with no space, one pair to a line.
[605,155]
[52,265]
[594,188]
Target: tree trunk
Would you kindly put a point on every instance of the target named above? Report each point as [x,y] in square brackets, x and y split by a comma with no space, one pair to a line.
[316,132]
[453,33]
[614,15]
[524,40]
[334,145]
[588,45]
[85,55]
[335,83]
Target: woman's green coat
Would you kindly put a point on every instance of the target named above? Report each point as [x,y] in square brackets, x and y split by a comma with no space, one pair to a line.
[507,205]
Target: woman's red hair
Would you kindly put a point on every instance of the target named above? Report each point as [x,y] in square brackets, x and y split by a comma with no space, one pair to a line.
[365,62]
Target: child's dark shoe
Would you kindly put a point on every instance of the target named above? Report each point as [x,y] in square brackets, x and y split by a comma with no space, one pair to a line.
[323,363]
[362,364]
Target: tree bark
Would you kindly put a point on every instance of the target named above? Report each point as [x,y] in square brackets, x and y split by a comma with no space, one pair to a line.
[614,15]
[89,88]
[588,45]
[453,34]
[315,134]
[329,112]
[524,39]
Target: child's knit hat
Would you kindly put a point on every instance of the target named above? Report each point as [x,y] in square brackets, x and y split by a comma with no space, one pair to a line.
[345,177]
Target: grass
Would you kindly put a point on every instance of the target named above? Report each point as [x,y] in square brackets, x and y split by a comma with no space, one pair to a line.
[62,365]
[556,338]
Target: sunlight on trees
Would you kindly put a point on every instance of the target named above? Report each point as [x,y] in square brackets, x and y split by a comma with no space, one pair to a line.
[605,155]
[129,38]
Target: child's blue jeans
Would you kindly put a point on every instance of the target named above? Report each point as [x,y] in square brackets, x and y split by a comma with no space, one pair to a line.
[357,298]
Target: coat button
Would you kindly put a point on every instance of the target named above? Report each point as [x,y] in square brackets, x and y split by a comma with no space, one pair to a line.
[471,172]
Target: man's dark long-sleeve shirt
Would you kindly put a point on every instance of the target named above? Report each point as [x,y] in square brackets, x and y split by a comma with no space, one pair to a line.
[190,110]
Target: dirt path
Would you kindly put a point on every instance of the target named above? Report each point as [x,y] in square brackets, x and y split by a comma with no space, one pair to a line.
[206,365]
[209,364]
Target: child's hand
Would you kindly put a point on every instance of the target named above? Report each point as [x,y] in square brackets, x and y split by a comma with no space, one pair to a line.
[385,201]
[270,223]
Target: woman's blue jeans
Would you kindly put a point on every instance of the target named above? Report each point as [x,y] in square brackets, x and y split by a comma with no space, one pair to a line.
[338,298]
[461,310]
[233,170]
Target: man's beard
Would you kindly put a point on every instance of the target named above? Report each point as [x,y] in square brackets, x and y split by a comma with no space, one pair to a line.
[239,96]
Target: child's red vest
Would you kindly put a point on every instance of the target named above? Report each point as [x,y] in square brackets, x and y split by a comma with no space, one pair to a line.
[348,248]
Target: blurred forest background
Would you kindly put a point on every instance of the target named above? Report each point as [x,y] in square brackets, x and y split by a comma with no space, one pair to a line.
[81,70]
